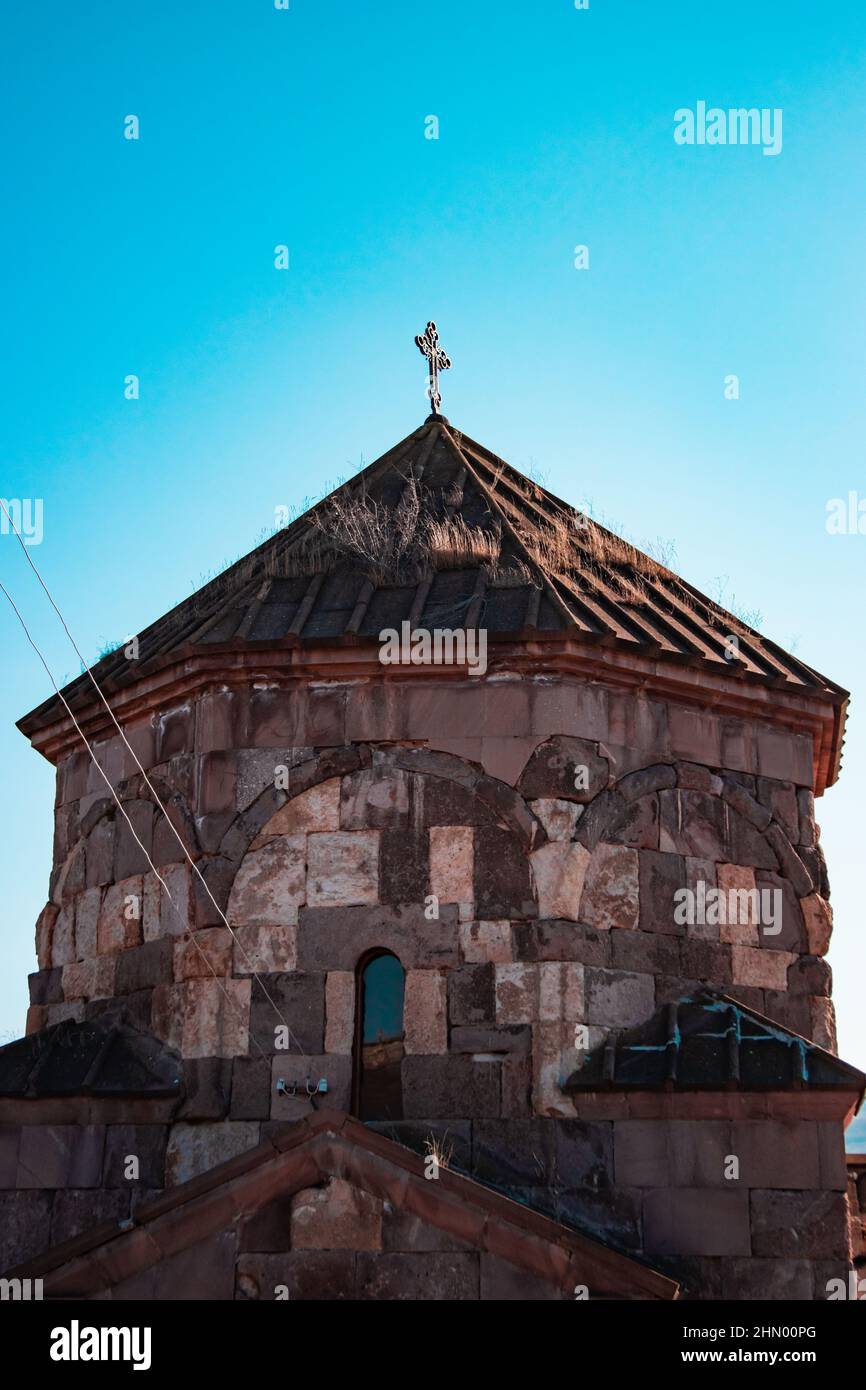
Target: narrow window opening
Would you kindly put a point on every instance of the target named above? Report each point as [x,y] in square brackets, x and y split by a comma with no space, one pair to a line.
[379,1038]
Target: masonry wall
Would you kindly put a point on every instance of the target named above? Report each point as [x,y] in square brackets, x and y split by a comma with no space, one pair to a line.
[553,901]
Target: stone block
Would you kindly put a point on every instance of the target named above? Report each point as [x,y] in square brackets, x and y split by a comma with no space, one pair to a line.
[193,1149]
[564,768]
[62,937]
[739,909]
[340,1011]
[637,825]
[404,866]
[660,877]
[452,863]
[799,1225]
[471,995]
[78,1210]
[25,1223]
[145,966]
[503,887]
[693,823]
[754,1280]
[336,938]
[759,967]
[559,940]
[203,954]
[559,869]
[617,999]
[374,798]
[482,942]
[644,952]
[207,1088]
[559,818]
[778,1153]
[144,1143]
[306,1275]
[315,811]
[296,1071]
[270,884]
[610,889]
[296,1000]
[451,1087]
[203,1018]
[251,1088]
[133,839]
[409,1277]
[343,868]
[60,1156]
[264,950]
[337,1216]
[87,906]
[89,979]
[120,918]
[425,1019]
[818,920]
[696,1221]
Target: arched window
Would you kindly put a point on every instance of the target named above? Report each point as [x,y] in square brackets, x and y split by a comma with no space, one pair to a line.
[378,1089]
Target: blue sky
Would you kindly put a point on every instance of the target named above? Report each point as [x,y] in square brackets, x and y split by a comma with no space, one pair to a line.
[259,387]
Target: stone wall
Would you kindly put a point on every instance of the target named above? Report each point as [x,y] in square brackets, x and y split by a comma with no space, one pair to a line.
[517,843]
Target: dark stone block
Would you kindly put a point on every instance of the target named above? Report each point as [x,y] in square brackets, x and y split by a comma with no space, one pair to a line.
[147,1143]
[77,1210]
[428,1276]
[100,853]
[401,1231]
[307,1275]
[749,846]
[471,995]
[334,938]
[60,1155]
[251,1089]
[813,858]
[502,1282]
[503,887]
[516,1040]
[444,802]
[46,986]
[450,1086]
[601,815]
[269,1230]
[810,975]
[514,1153]
[643,950]
[799,1225]
[300,999]
[552,771]
[792,936]
[661,875]
[129,858]
[584,1154]
[145,966]
[404,866]
[635,785]
[694,823]
[637,826]
[25,1219]
[791,1010]
[207,1085]
[452,1138]
[135,1009]
[555,939]
[612,1216]
[707,961]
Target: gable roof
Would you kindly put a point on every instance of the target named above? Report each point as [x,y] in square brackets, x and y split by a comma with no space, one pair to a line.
[708,1041]
[331,1144]
[441,532]
[91,1059]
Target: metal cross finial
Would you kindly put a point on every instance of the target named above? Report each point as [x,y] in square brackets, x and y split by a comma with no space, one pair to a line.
[428,346]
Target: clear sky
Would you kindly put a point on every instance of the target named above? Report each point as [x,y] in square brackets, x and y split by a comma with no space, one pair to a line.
[306,127]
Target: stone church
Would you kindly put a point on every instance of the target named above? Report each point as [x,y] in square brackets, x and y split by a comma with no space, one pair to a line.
[487,967]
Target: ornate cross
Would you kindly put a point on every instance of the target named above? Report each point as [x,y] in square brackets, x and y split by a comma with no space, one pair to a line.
[438,361]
